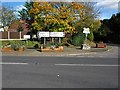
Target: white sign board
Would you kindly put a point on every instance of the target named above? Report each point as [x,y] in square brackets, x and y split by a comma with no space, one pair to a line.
[26,36]
[43,34]
[86,30]
[57,34]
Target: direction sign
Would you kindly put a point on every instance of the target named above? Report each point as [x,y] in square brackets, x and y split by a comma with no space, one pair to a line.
[57,34]
[86,30]
[43,34]
[26,36]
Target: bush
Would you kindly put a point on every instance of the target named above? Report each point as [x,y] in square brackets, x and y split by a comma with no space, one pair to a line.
[91,36]
[33,44]
[91,43]
[77,39]
[15,47]
[4,43]
[15,44]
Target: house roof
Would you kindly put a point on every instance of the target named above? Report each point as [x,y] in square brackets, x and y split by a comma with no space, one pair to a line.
[16,23]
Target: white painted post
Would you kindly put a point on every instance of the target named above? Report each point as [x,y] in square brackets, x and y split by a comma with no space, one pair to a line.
[44,40]
[52,40]
[8,35]
[85,45]
[59,40]
[86,31]
[20,34]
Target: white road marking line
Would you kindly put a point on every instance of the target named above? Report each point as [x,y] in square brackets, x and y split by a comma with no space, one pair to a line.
[13,63]
[87,65]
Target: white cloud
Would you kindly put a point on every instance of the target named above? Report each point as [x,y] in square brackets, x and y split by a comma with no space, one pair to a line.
[108,4]
[107,8]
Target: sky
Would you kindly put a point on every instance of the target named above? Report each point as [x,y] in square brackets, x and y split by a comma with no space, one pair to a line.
[107,7]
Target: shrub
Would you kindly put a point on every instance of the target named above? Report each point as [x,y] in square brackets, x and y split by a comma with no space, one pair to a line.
[20,28]
[15,45]
[91,36]
[77,39]
[5,43]
[33,44]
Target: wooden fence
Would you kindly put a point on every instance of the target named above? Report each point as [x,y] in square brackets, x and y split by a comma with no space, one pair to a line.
[13,35]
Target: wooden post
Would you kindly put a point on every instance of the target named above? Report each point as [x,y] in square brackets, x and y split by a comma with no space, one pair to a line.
[44,40]
[59,40]
[8,35]
[20,34]
[52,40]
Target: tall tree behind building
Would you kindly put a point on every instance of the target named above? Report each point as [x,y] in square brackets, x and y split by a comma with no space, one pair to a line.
[7,16]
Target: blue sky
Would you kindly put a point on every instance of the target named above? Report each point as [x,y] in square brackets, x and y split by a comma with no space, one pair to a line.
[107,7]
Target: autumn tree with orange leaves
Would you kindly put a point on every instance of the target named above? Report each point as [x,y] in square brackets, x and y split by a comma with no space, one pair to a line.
[55,17]
[68,17]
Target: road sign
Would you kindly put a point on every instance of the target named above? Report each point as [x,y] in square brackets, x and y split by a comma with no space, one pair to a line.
[57,34]
[43,34]
[26,36]
[86,30]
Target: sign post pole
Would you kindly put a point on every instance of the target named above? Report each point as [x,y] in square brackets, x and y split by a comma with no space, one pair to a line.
[85,45]
[86,34]
[44,41]
[44,35]
[59,40]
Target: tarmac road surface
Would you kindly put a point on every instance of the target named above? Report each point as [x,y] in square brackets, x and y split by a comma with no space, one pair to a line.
[59,72]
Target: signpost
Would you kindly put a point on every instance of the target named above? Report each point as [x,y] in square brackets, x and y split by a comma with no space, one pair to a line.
[50,34]
[26,36]
[43,34]
[86,31]
[57,34]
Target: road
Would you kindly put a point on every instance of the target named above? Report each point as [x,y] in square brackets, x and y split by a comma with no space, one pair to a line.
[59,72]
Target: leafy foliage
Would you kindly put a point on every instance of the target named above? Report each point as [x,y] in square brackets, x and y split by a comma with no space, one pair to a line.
[91,36]
[24,14]
[7,16]
[88,18]
[54,16]
[20,28]
[77,39]
[69,17]
[109,30]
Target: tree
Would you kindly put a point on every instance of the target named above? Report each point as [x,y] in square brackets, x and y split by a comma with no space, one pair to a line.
[7,16]
[69,17]
[88,18]
[50,16]
[25,16]
[20,28]
[114,25]
[109,30]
